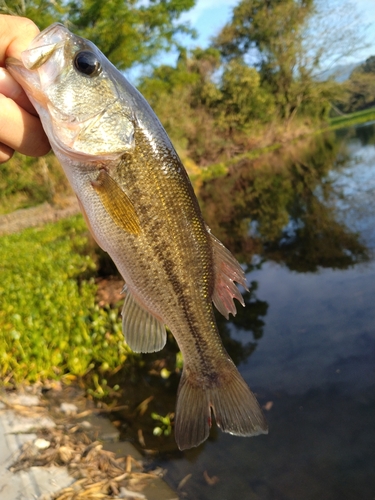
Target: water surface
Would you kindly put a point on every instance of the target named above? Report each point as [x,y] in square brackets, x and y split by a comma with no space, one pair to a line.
[303,226]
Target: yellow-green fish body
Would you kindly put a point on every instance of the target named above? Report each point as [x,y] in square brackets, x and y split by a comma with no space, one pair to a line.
[141,209]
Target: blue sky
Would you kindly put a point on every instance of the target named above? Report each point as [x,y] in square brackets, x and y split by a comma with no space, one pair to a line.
[208,16]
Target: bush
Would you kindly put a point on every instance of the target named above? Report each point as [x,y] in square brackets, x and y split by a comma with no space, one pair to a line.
[26,182]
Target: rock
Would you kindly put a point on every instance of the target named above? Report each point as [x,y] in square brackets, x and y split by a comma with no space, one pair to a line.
[22,400]
[125,493]
[42,444]
[68,408]
[22,424]
[85,424]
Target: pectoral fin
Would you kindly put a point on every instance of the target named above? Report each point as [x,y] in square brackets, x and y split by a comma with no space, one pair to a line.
[142,331]
[117,203]
[227,270]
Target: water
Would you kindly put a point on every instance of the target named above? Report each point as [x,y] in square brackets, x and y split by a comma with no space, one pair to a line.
[304,228]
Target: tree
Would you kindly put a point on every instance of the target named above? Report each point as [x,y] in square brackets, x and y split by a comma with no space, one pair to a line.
[243,102]
[369,66]
[207,106]
[333,33]
[42,12]
[270,33]
[359,90]
[184,97]
[127,32]
[290,41]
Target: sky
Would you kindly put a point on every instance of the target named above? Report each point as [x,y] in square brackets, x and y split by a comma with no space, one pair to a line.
[208,16]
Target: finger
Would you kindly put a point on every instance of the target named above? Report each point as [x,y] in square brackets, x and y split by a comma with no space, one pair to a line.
[20,130]
[16,33]
[12,89]
[6,153]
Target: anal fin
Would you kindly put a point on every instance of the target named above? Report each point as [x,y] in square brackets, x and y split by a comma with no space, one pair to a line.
[143,332]
[227,271]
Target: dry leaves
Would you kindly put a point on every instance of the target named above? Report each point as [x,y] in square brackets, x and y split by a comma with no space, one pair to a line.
[99,474]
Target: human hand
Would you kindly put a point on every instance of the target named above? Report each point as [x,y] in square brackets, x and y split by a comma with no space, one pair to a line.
[20,127]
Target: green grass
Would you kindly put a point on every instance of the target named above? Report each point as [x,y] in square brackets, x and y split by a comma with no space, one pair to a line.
[50,324]
[352,118]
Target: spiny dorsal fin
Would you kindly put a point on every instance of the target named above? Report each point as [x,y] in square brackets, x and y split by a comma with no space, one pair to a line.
[227,270]
[117,203]
[142,331]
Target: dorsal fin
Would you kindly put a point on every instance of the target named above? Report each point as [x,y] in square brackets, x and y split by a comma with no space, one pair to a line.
[227,271]
[117,203]
[142,331]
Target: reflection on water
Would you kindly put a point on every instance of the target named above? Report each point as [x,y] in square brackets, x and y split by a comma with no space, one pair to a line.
[248,319]
[284,206]
[303,224]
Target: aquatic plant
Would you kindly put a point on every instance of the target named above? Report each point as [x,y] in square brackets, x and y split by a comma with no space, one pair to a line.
[50,323]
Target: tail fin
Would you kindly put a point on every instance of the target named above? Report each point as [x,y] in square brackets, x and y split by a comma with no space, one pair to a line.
[235,407]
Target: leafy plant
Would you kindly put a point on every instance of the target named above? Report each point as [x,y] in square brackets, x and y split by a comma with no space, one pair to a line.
[164,426]
[50,323]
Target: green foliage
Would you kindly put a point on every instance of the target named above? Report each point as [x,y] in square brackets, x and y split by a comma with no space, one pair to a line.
[273,31]
[183,98]
[359,90]
[369,65]
[206,106]
[289,41]
[352,119]
[257,81]
[129,32]
[164,426]
[126,32]
[243,102]
[42,12]
[26,181]
[214,101]
[50,324]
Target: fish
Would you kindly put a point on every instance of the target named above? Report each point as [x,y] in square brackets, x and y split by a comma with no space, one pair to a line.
[140,207]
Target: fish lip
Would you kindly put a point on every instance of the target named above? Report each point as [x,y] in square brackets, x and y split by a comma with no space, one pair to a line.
[22,70]
[41,39]
[21,74]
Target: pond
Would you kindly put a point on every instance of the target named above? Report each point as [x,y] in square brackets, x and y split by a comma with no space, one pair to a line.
[303,225]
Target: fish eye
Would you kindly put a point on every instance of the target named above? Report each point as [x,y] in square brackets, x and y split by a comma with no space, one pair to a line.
[87,63]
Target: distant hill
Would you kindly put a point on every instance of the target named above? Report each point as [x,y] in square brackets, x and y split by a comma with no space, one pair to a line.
[340,72]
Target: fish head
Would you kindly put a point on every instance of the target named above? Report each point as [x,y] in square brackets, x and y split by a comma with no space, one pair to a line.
[76,93]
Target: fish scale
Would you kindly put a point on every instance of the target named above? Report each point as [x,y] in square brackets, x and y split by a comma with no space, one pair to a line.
[141,208]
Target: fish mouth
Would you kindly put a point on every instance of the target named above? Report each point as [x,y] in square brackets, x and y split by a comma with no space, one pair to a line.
[27,79]
[43,46]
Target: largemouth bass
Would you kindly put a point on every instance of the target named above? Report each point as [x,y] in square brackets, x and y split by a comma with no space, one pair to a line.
[140,207]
